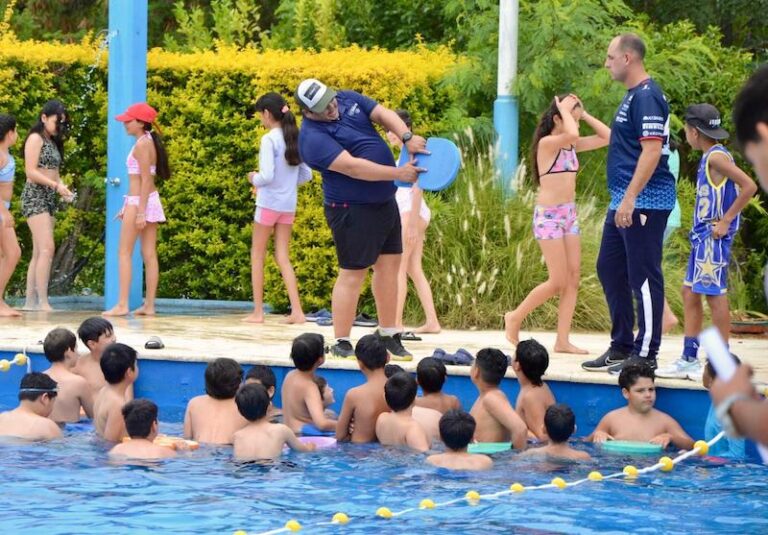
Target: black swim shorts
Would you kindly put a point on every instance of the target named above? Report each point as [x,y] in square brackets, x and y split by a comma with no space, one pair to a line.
[362,232]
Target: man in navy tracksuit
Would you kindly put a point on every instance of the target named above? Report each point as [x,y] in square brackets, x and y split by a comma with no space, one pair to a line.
[642,195]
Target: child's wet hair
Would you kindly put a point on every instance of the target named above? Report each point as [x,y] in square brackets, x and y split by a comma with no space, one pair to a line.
[307,349]
[533,360]
[371,351]
[116,361]
[492,364]
[392,369]
[57,343]
[139,415]
[222,378]
[431,374]
[35,384]
[560,422]
[93,328]
[400,391]
[457,429]
[252,401]
[630,373]
[262,374]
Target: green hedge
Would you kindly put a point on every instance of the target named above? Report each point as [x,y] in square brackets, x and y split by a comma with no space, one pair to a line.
[202,98]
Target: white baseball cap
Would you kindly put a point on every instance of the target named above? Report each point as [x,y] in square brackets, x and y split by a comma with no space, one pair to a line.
[314,95]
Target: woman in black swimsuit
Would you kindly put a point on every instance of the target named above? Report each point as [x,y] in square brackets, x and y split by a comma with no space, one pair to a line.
[43,156]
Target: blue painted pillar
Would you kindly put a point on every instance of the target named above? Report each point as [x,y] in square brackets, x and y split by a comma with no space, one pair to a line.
[127,84]
[505,111]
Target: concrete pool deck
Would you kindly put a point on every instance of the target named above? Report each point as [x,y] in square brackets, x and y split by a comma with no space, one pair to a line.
[204,338]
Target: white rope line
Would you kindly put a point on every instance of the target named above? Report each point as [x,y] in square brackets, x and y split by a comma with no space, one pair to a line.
[630,472]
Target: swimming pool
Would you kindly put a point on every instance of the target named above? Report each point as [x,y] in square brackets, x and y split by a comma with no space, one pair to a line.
[71,487]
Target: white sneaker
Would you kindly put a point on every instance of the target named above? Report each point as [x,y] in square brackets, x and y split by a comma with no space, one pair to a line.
[682,369]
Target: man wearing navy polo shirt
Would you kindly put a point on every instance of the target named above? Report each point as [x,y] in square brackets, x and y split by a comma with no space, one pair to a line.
[642,196]
[338,138]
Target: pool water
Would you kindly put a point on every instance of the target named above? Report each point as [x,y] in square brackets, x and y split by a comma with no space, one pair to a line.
[70,486]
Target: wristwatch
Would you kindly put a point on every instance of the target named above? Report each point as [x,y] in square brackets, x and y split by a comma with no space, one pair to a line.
[407,137]
[722,412]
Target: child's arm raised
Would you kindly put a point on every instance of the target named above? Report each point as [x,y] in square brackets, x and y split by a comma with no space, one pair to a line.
[498,406]
[725,167]
[293,442]
[601,138]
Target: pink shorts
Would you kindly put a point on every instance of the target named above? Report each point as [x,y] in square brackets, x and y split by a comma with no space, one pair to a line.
[554,222]
[270,218]
[153,213]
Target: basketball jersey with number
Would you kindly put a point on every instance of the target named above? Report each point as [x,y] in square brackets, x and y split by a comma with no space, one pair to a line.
[712,201]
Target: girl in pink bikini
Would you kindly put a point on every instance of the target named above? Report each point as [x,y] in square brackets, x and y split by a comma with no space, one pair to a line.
[554,165]
[281,171]
[142,210]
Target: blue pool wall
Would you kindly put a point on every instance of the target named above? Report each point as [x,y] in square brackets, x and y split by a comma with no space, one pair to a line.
[171,384]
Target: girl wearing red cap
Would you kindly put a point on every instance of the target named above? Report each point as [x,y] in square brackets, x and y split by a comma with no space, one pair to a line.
[142,209]
[43,157]
[280,173]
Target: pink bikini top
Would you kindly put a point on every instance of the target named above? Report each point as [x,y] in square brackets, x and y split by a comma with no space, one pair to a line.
[566,162]
[133,164]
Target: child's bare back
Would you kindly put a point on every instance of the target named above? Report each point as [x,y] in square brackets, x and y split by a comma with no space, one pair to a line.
[265,440]
[211,420]
[107,414]
[438,401]
[140,448]
[362,407]
[497,421]
[398,429]
[28,426]
[303,404]
[74,393]
[453,460]
[532,403]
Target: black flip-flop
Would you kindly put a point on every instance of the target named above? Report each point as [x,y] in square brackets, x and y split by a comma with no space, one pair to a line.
[410,336]
[154,342]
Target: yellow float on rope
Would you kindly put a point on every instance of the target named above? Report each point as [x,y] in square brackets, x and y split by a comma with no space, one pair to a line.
[5,365]
[340,518]
[292,525]
[516,487]
[473,496]
[383,512]
[426,503]
[702,446]
[559,482]
[595,476]
[630,472]
[666,464]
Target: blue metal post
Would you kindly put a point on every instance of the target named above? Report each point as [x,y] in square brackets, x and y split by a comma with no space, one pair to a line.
[505,111]
[127,83]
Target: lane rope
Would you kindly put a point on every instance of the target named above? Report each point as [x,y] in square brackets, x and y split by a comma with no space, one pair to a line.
[472,497]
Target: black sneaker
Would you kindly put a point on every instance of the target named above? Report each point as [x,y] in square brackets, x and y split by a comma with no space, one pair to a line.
[633,359]
[341,350]
[395,347]
[605,361]
[364,320]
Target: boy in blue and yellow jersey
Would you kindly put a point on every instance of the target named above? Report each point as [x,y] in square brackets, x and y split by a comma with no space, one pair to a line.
[722,191]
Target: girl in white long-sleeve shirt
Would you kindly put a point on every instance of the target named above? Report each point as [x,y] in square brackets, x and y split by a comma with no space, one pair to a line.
[280,173]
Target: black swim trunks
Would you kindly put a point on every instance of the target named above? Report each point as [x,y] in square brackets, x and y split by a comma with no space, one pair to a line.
[362,232]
